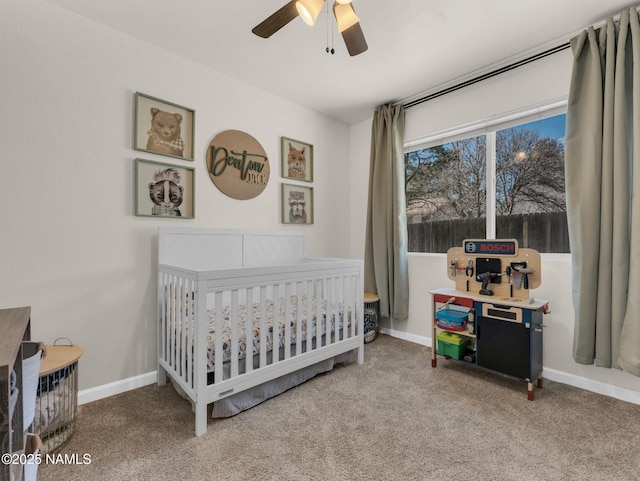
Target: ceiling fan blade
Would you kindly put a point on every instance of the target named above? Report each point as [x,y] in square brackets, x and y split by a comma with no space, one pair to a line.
[354,40]
[349,27]
[276,21]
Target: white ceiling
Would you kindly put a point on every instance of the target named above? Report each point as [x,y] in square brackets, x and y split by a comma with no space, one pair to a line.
[415,46]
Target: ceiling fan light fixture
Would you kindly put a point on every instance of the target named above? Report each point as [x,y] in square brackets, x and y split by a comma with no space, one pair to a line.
[309,10]
[345,15]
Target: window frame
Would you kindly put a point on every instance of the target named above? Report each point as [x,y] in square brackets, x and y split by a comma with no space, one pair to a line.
[489,127]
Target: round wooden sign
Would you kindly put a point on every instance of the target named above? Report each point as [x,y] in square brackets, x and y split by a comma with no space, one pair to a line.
[238,165]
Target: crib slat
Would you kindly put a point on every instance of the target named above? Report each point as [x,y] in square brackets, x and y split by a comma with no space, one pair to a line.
[218,358]
[172,324]
[182,309]
[332,325]
[354,299]
[278,295]
[234,325]
[329,310]
[309,313]
[317,311]
[167,319]
[356,309]
[288,316]
[349,304]
[340,300]
[300,317]
[321,287]
[337,306]
[185,327]
[340,307]
[163,295]
[191,327]
[263,326]
[248,333]
[177,303]
[187,300]
[176,326]
[346,306]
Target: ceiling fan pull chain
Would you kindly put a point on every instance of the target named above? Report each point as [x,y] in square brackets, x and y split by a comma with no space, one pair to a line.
[329,16]
[329,50]
[327,29]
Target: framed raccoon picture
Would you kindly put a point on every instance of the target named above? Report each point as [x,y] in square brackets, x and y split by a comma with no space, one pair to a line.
[297,160]
[164,190]
[297,204]
[164,128]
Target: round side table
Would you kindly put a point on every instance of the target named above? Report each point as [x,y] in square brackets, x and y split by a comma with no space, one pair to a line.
[57,402]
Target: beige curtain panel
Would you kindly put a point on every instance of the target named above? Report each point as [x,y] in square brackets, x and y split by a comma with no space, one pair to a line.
[602,176]
[385,260]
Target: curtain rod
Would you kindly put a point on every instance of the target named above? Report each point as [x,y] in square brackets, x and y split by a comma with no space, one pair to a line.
[520,63]
[488,75]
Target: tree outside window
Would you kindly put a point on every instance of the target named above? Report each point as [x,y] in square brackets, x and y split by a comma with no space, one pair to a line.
[446,188]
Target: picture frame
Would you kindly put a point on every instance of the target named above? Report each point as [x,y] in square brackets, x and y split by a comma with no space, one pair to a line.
[297,160]
[151,181]
[163,128]
[297,204]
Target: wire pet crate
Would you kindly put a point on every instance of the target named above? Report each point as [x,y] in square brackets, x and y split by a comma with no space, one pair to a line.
[57,399]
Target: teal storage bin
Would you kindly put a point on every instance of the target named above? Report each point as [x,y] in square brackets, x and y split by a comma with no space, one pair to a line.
[451,319]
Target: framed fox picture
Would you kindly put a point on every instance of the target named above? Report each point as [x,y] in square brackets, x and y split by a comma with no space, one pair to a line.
[297,160]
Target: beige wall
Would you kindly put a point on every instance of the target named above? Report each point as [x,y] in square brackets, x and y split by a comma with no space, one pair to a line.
[73,250]
[71,246]
[543,81]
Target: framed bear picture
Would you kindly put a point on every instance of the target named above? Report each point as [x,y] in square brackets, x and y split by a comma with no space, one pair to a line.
[164,128]
[297,204]
[164,190]
[297,160]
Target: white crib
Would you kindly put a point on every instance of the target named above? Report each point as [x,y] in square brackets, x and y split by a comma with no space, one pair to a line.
[228,301]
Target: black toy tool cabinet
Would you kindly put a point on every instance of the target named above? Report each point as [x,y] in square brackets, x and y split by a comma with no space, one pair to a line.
[501,335]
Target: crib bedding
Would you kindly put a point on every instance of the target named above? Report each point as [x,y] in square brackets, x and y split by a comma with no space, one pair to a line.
[318,310]
[236,403]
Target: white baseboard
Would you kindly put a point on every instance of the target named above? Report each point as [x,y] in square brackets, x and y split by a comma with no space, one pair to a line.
[424,341]
[117,387]
[598,387]
[624,394]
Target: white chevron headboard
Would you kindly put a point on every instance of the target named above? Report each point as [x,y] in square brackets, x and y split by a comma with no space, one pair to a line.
[209,249]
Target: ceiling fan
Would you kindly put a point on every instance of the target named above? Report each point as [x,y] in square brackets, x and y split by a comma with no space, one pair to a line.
[308,10]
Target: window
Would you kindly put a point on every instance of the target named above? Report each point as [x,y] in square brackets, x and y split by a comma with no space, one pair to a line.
[506,183]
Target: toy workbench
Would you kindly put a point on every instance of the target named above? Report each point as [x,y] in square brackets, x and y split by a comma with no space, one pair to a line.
[489,319]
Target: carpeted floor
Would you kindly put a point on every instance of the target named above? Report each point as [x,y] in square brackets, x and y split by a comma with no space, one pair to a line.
[393,418]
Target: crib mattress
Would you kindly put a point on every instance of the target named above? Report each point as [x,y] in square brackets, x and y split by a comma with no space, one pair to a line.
[318,310]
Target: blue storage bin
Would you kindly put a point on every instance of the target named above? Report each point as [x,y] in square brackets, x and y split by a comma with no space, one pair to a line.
[451,319]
